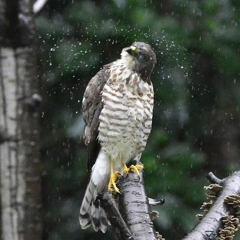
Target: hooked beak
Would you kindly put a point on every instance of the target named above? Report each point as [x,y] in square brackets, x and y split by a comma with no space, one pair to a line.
[131,50]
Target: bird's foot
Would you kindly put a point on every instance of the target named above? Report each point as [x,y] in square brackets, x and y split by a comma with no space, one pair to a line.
[112,187]
[135,168]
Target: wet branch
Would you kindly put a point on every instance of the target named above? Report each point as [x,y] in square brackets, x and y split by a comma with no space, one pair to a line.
[222,211]
[134,206]
[120,228]
[213,179]
[134,218]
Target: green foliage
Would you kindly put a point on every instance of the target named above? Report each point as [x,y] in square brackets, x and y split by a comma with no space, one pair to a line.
[196,114]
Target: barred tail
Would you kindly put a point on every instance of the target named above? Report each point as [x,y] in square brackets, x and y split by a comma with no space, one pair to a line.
[91,211]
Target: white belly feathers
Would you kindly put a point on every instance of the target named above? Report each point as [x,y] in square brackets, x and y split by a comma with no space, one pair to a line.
[126,118]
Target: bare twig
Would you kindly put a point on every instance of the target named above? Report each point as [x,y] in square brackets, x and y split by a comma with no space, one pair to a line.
[213,179]
[155,202]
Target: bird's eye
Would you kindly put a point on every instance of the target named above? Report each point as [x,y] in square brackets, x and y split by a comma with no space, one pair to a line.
[140,57]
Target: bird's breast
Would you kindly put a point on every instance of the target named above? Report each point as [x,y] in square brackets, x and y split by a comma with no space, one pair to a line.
[126,118]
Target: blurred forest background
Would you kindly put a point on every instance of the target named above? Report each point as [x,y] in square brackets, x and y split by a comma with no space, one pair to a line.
[196,124]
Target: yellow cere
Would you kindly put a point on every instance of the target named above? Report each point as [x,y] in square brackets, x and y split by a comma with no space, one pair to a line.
[133,48]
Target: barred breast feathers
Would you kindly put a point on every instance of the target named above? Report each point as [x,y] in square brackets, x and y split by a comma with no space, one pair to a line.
[126,118]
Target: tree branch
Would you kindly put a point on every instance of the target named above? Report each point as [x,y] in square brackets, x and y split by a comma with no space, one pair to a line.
[109,205]
[213,179]
[134,207]
[133,220]
[223,210]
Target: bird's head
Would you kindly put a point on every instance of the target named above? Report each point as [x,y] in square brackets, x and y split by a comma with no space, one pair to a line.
[140,58]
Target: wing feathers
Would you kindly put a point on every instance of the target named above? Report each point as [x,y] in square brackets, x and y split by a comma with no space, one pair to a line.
[91,108]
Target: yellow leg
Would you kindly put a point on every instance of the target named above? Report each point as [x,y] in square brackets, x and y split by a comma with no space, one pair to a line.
[125,169]
[135,168]
[112,181]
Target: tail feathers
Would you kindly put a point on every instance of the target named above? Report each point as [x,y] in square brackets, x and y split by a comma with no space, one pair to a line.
[84,221]
[89,197]
[91,211]
[98,218]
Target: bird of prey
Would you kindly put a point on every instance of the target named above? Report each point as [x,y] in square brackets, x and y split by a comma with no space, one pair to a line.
[117,110]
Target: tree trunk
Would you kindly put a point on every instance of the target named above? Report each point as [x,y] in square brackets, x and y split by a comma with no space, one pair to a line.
[19,147]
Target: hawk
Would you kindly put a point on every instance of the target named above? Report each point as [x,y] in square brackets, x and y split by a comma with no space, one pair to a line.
[117,110]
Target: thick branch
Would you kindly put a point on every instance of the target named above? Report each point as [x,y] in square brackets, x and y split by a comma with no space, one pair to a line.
[212,221]
[135,220]
[134,206]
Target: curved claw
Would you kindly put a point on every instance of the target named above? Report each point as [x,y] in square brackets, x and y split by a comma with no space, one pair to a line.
[112,183]
[135,168]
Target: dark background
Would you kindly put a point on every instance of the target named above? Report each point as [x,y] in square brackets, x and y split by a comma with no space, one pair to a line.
[197,101]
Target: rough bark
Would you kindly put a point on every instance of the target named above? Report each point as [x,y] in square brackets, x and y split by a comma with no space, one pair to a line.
[19,151]
[134,207]
[129,212]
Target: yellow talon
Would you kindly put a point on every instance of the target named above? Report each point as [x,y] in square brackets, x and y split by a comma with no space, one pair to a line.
[112,181]
[135,168]
[112,187]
